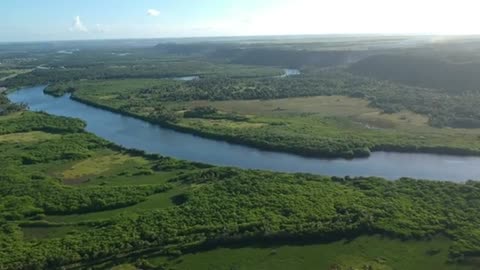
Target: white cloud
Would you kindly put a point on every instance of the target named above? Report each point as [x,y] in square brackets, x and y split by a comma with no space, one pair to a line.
[78,25]
[153,12]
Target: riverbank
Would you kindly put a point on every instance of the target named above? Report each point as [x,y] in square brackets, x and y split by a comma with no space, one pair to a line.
[305,152]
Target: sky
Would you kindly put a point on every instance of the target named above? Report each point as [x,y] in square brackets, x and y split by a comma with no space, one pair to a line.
[39,20]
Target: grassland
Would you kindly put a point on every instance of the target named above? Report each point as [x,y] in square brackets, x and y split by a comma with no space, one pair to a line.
[346,112]
[27,137]
[366,252]
[99,165]
[341,107]
[153,202]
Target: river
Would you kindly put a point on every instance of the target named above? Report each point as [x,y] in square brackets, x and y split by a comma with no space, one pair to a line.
[134,133]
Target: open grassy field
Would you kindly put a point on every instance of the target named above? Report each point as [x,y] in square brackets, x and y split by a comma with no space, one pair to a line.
[346,112]
[27,137]
[355,109]
[366,252]
[124,267]
[320,105]
[99,165]
[153,202]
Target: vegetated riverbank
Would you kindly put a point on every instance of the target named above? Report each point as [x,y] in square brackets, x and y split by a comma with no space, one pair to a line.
[350,147]
[363,152]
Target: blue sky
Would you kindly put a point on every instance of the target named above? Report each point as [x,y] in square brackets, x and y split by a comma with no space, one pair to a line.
[28,20]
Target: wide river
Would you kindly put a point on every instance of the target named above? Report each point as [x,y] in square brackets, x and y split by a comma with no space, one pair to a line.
[134,133]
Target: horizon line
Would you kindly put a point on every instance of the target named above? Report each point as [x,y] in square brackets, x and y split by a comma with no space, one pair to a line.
[247,36]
